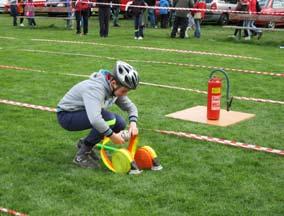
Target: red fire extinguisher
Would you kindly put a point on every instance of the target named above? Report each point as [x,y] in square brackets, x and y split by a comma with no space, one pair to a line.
[214,95]
[214,98]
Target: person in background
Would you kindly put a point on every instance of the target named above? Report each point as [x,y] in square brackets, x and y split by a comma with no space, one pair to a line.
[171,14]
[151,13]
[21,11]
[138,19]
[181,19]
[241,6]
[30,13]
[115,12]
[157,13]
[254,8]
[198,16]
[164,13]
[82,12]
[69,20]
[104,16]
[14,11]
[190,25]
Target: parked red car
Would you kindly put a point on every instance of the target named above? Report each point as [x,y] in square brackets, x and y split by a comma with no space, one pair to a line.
[271,6]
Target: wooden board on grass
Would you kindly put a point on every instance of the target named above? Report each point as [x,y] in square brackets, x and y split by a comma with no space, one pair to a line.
[199,114]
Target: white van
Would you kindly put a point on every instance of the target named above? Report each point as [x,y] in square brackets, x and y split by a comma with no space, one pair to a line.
[219,17]
[2,5]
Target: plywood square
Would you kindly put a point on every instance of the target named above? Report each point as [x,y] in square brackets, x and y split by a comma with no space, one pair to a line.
[199,114]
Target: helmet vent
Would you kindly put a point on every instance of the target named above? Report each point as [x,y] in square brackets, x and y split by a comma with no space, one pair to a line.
[127,80]
[134,82]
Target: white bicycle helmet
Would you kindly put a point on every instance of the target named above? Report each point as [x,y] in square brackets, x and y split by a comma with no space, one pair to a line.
[126,75]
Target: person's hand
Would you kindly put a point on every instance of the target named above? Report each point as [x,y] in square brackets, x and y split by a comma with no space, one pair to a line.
[116,139]
[133,130]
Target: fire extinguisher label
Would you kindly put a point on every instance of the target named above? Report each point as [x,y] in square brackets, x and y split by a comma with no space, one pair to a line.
[216,90]
[216,102]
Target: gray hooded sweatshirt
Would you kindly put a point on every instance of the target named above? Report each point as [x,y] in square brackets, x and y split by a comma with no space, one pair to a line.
[93,95]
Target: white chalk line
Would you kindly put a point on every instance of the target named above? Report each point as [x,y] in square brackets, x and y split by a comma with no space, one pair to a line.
[146,48]
[158,62]
[8,38]
[19,68]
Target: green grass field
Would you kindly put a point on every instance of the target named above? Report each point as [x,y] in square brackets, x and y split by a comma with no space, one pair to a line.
[37,175]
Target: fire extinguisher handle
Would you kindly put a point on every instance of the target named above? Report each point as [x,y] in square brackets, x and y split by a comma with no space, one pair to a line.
[229,103]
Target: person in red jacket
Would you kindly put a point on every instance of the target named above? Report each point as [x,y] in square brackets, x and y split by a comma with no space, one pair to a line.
[253,7]
[82,11]
[198,15]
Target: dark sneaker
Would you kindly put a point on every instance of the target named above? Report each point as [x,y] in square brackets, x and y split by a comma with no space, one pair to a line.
[86,161]
[156,165]
[85,156]
[134,169]
[93,153]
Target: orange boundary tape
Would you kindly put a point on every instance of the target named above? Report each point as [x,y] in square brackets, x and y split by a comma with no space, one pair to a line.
[180,134]
[12,212]
[266,73]
[261,100]
[92,4]
[222,141]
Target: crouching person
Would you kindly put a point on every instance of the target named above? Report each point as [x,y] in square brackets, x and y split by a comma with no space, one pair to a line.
[85,106]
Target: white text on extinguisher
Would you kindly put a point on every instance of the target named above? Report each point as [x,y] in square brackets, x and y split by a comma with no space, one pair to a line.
[215,103]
